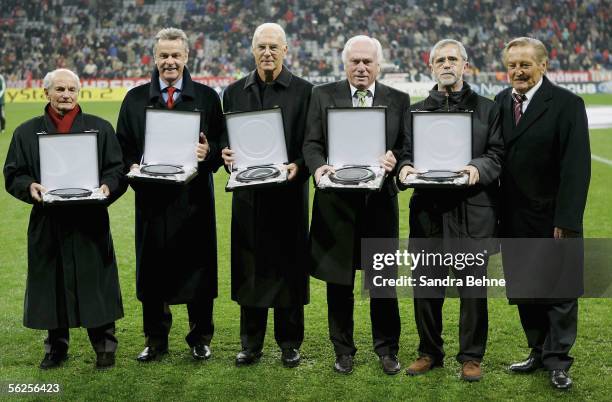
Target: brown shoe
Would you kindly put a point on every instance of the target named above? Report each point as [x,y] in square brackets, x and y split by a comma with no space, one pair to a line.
[471,371]
[422,365]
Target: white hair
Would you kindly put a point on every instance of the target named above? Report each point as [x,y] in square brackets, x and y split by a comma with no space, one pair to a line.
[50,77]
[359,38]
[446,42]
[270,25]
[171,34]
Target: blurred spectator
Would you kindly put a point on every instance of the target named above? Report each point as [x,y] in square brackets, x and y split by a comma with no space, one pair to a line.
[42,35]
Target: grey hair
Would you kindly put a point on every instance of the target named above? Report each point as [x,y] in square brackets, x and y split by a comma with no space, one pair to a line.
[50,77]
[271,25]
[446,42]
[538,46]
[349,43]
[171,34]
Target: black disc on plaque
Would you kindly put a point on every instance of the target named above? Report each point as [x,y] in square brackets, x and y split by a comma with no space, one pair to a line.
[439,175]
[256,173]
[70,192]
[352,175]
[161,170]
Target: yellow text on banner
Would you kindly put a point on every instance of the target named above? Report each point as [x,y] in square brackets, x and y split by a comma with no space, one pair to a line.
[26,95]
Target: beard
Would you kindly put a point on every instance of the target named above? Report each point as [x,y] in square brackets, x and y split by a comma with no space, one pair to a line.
[447,81]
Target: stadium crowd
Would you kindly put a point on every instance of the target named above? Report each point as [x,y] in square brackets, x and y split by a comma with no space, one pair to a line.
[111,38]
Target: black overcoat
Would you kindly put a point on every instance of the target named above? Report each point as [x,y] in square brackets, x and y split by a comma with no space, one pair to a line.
[270,226]
[176,246]
[544,183]
[470,212]
[67,244]
[341,220]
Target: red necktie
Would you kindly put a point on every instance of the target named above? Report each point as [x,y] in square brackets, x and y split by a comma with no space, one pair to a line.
[518,107]
[170,101]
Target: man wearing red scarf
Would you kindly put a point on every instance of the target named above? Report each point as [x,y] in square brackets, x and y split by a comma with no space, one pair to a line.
[72,273]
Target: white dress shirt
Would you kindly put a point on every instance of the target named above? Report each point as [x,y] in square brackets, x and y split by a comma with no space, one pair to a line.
[369,98]
[529,94]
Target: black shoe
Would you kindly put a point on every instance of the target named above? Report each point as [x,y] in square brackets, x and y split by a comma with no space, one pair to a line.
[560,379]
[344,364]
[527,366]
[105,360]
[390,364]
[201,352]
[247,357]
[290,357]
[151,353]
[53,359]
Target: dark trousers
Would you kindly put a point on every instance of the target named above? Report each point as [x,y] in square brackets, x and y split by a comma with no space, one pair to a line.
[473,328]
[551,331]
[288,327]
[384,317]
[157,321]
[473,314]
[102,338]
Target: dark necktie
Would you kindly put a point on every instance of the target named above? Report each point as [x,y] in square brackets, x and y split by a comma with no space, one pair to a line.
[170,101]
[518,100]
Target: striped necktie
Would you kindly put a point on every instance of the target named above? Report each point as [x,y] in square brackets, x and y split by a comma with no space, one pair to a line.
[517,104]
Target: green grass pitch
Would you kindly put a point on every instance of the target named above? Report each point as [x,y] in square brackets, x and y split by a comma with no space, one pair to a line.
[179,377]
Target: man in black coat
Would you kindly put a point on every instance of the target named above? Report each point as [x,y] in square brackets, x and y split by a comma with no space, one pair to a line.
[72,272]
[270,226]
[545,180]
[341,220]
[462,213]
[176,247]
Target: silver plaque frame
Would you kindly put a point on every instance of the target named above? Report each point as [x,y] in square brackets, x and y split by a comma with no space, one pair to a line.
[170,138]
[356,136]
[258,140]
[69,160]
[440,141]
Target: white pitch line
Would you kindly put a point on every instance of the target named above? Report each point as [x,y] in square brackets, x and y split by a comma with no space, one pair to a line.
[602,160]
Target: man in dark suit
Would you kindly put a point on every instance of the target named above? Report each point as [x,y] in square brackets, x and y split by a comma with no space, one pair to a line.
[461,213]
[270,226]
[340,220]
[176,246]
[72,271]
[545,181]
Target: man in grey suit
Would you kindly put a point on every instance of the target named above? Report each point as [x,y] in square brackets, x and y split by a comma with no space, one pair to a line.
[340,220]
[462,213]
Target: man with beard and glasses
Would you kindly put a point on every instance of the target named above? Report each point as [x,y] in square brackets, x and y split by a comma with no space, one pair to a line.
[469,212]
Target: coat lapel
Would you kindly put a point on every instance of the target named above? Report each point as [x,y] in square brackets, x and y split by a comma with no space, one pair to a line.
[252,89]
[536,108]
[78,125]
[381,97]
[342,95]
[508,117]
